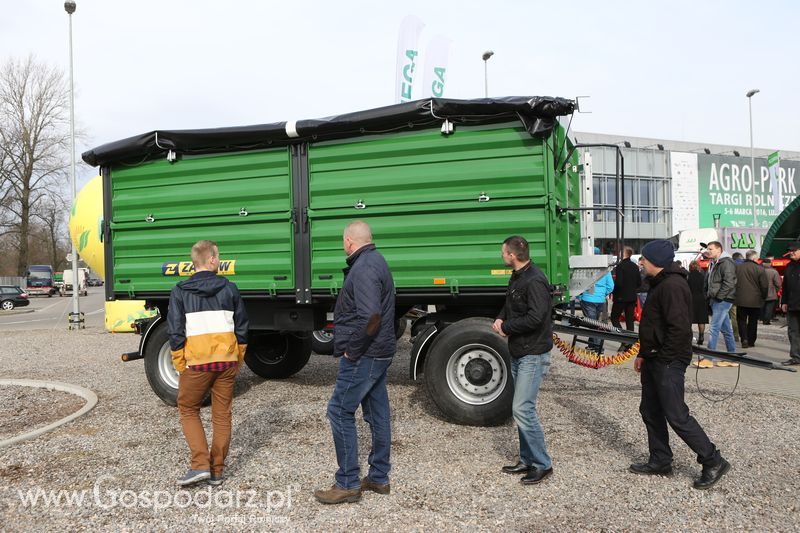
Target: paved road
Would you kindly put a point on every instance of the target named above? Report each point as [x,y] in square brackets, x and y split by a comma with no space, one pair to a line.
[53,313]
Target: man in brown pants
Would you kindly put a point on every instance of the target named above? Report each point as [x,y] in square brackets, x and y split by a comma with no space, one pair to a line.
[207,326]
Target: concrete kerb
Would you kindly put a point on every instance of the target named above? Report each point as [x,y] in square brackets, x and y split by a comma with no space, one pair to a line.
[86,394]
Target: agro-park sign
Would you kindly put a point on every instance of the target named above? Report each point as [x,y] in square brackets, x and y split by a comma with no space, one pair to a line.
[707,185]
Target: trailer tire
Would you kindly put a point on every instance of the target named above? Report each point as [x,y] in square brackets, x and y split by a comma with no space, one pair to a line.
[161,373]
[468,374]
[322,342]
[277,356]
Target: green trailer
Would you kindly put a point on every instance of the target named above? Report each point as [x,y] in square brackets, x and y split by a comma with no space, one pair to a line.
[441,182]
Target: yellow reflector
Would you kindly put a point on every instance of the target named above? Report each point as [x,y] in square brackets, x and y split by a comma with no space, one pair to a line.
[439,281]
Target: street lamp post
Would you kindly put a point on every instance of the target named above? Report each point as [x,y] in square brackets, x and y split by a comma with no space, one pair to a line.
[486,55]
[749,95]
[75,317]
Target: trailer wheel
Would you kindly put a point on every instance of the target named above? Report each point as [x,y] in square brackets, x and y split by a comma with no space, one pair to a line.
[158,366]
[468,374]
[276,356]
[322,342]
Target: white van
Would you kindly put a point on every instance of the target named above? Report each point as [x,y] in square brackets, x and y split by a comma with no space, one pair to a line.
[83,282]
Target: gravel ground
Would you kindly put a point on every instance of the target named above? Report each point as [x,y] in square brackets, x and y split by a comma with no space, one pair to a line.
[24,409]
[445,476]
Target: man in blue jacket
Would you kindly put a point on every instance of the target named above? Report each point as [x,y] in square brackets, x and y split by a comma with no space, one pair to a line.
[363,335]
[592,302]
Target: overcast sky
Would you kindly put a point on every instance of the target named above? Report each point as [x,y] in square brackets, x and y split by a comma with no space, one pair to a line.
[674,70]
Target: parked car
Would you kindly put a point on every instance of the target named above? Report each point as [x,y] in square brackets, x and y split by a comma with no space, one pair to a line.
[11,297]
[95,282]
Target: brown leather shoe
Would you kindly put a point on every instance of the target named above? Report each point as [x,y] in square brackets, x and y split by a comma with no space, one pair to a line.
[336,494]
[366,484]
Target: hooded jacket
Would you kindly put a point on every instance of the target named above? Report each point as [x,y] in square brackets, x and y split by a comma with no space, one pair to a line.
[665,331]
[363,319]
[207,321]
[721,279]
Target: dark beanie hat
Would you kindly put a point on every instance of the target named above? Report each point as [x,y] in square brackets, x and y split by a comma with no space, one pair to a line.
[659,252]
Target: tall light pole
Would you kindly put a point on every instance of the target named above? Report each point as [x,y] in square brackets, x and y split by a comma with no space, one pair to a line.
[75,318]
[749,95]
[486,55]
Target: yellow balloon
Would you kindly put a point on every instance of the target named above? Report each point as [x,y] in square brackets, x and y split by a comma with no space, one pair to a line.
[86,231]
[86,223]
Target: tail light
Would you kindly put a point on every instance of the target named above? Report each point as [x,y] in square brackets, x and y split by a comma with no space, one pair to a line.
[23,295]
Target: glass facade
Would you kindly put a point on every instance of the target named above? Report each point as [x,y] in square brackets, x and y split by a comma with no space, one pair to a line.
[646,190]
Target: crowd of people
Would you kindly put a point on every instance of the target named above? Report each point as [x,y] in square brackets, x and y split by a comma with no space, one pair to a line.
[731,298]
[208,329]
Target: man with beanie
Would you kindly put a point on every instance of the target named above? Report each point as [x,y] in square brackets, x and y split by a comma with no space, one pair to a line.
[721,292]
[665,336]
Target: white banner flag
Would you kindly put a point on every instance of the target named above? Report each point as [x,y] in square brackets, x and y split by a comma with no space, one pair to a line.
[774,162]
[407,58]
[437,56]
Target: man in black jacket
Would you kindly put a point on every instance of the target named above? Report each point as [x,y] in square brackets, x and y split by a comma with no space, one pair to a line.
[665,334]
[790,303]
[363,336]
[527,323]
[626,281]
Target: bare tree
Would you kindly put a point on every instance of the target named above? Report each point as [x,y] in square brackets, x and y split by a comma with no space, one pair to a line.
[51,215]
[34,144]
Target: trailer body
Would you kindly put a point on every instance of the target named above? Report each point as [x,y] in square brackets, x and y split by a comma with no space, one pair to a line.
[441,183]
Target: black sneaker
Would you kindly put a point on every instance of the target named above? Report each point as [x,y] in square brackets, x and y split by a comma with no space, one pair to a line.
[791,362]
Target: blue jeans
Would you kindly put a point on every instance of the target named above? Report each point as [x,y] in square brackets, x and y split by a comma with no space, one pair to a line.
[592,310]
[528,372]
[361,382]
[721,321]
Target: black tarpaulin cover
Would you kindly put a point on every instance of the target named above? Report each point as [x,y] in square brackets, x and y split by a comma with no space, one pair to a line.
[537,113]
